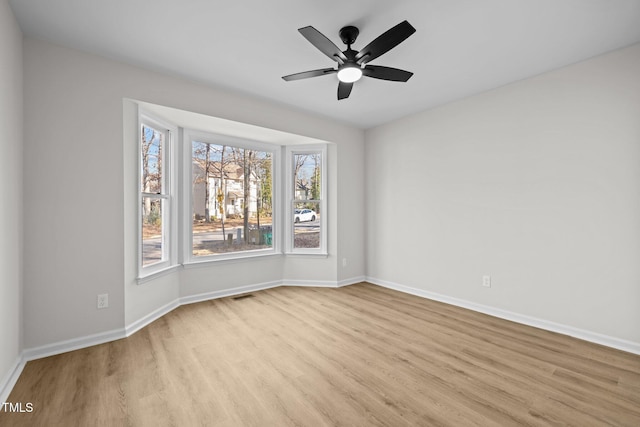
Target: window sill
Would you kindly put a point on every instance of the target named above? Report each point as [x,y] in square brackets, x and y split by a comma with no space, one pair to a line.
[308,254]
[159,273]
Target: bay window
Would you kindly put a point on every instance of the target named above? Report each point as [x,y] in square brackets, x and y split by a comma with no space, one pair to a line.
[208,197]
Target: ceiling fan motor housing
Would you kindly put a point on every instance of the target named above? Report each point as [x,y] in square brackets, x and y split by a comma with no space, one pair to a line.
[349,34]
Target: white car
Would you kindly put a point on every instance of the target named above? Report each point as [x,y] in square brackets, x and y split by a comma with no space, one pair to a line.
[301,215]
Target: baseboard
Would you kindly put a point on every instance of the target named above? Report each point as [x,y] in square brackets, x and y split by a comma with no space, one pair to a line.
[228,292]
[351,281]
[150,318]
[310,283]
[323,283]
[72,344]
[11,378]
[613,342]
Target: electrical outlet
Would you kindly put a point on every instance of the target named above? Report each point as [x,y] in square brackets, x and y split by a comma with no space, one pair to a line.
[344,262]
[486,281]
[103,300]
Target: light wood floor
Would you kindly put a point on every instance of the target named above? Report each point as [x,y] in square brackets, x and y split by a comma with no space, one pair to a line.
[356,356]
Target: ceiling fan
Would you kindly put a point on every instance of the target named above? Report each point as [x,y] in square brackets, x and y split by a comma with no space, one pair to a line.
[352,64]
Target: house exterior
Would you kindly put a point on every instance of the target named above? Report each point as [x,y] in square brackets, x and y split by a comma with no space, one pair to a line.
[226,191]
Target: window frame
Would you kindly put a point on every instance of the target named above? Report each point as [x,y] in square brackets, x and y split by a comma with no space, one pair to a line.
[167,196]
[191,136]
[291,152]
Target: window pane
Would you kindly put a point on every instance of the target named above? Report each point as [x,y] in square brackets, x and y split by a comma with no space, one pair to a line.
[306,225]
[152,240]
[307,176]
[232,199]
[152,144]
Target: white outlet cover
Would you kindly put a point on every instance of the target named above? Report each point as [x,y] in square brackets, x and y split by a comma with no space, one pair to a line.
[103,301]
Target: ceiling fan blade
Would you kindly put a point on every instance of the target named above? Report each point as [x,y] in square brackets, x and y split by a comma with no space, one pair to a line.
[386,73]
[385,42]
[344,90]
[308,74]
[323,44]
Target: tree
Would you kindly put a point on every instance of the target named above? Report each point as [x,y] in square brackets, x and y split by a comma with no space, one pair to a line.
[248,159]
[207,214]
[263,171]
[212,160]
[151,150]
[222,188]
[298,175]
[256,183]
[200,156]
[316,178]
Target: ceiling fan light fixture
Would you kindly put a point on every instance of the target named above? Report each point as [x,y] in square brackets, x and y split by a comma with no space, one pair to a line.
[349,73]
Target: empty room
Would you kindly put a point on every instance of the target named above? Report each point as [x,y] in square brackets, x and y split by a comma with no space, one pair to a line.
[363,213]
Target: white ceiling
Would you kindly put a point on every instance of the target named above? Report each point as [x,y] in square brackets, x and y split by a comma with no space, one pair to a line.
[460,48]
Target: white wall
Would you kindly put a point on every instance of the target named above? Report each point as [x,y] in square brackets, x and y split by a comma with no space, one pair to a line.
[81,239]
[11,142]
[536,183]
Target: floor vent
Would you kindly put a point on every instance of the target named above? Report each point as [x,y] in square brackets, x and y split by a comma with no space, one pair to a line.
[243,297]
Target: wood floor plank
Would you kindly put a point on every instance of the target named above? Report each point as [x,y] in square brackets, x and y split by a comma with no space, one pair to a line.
[362,355]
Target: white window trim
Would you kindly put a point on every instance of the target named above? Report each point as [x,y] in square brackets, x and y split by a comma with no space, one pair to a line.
[187,202]
[169,223]
[290,199]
